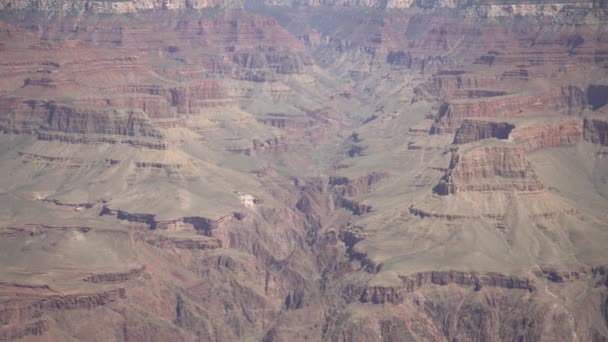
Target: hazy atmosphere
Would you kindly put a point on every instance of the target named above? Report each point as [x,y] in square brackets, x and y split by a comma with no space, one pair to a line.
[304,170]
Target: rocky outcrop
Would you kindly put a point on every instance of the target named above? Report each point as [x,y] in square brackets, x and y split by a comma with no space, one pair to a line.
[595,130]
[541,135]
[115,277]
[279,120]
[197,224]
[556,275]
[167,101]
[67,119]
[81,139]
[294,299]
[35,328]
[423,213]
[270,145]
[600,273]
[72,205]
[62,162]
[465,279]
[26,287]
[345,186]
[153,106]
[474,130]
[16,312]
[50,121]
[147,219]
[356,150]
[189,243]
[530,136]
[381,295]
[35,230]
[281,62]
[350,236]
[355,207]
[494,167]
[414,282]
[452,114]
[457,84]
[201,225]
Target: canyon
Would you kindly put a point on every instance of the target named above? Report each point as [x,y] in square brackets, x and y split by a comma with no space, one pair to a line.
[225,170]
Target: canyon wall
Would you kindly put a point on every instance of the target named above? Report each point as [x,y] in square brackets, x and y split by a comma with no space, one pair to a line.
[498,167]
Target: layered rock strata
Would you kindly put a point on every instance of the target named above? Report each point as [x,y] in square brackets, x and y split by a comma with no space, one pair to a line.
[497,167]
[534,135]
[566,132]
[451,115]
[475,130]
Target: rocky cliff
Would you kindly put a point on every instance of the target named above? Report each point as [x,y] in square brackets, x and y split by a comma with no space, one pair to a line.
[474,130]
[566,132]
[595,130]
[498,167]
[531,135]
[451,115]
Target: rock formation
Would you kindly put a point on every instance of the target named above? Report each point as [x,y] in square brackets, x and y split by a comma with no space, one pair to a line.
[497,167]
[595,130]
[451,115]
[566,132]
[530,135]
[474,130]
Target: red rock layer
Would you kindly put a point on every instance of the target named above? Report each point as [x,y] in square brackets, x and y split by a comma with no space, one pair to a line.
[411,283]
[530,137]
[543,135]
[111,77]
[451,115]
[490,168]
